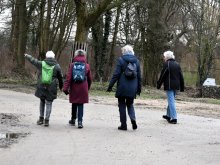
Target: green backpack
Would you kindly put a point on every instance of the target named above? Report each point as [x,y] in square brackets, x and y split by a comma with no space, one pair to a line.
[47,73]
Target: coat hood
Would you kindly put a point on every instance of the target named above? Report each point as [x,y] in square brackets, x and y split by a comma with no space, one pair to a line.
[79,59]
[51,61]
[129,58]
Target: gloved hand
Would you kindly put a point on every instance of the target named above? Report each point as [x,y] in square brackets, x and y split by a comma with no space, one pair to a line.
[158,86]
[109,89]
[139,92]
[66,92]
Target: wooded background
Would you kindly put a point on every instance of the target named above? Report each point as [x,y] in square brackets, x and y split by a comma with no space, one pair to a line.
[190,28]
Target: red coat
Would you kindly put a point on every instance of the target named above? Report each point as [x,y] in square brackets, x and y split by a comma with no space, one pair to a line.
[78,92]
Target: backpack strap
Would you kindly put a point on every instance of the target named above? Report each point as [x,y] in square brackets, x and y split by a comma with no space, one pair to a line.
[123,63]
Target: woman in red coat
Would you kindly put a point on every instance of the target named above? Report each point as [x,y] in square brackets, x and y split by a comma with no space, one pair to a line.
[77,85]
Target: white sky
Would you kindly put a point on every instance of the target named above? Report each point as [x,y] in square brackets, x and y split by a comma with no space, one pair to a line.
[4,17]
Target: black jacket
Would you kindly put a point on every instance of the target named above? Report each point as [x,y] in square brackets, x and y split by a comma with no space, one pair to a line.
[171,76]
[48,92]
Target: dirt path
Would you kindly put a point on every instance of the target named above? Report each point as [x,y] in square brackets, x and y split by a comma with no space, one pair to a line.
[194,141]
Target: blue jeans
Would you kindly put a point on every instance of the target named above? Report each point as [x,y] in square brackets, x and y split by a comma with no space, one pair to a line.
[77,108]
[122,103]
[171,108]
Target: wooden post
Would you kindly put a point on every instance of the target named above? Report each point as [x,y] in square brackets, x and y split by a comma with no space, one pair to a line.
[78,45]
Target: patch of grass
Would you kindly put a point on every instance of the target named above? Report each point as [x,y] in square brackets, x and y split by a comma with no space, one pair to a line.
[190,78]
[211,101]
[99,89]
[17,80]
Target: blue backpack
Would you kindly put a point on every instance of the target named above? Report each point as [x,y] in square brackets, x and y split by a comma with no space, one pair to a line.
[79,72]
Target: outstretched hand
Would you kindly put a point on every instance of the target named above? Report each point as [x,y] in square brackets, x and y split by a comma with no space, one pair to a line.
[25,55]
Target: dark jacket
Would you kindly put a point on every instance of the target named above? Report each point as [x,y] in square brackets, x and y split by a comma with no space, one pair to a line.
[78,92]
[126,87]
[171,76]
[47,92]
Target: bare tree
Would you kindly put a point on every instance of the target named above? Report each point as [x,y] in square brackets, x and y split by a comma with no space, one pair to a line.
[204,34]
[86,18]
[21,15]
[54,24]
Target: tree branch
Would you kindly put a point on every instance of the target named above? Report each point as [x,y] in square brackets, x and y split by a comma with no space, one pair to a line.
[102,7]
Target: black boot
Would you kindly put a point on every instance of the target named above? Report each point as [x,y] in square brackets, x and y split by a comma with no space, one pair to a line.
[40,121]
[173,121]
[122,127]
[80,125]
[166,117]
[72,122]
[46,123]
[134,124]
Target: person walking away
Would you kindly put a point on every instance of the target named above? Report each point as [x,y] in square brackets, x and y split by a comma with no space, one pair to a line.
[49,73]
[77,85]
[127,74]
[172,79]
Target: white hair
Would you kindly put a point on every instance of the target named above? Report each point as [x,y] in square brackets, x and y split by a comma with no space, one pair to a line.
[50,54]
[80,52]
[127,49]
[168,55]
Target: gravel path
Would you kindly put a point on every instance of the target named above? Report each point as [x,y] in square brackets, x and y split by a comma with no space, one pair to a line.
[193,141]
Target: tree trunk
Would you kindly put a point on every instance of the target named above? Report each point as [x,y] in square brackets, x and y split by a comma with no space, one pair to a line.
[97,35]
[102,66]
[112,53]
[19,35]
[42,52]
[81,14]
[156,41]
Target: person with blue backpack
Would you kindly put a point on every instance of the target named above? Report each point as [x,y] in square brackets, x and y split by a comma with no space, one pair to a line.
[77,85]
[49,73]
[128,77]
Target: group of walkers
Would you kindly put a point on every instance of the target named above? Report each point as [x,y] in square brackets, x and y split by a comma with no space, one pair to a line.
[78,81]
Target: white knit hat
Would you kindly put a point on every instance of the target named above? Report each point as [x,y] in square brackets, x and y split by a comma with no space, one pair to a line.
[50,54]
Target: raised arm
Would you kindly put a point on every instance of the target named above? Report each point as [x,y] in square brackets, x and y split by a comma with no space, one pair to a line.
[33,61]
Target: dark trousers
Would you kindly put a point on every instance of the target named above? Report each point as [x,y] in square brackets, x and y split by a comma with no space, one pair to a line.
[77,108]
[124,102]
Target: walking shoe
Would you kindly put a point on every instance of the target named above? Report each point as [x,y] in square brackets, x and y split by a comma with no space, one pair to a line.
[72,122]
[166,117]
[173,121]
[134,124]
[80,125]
[40,121]
[124,128]
[46,123]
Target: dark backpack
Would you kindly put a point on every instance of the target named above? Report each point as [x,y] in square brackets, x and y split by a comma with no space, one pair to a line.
[130,71]
[79,72]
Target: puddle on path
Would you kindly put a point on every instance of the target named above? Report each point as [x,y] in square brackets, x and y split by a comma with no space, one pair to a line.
[6,139]
[10,135]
